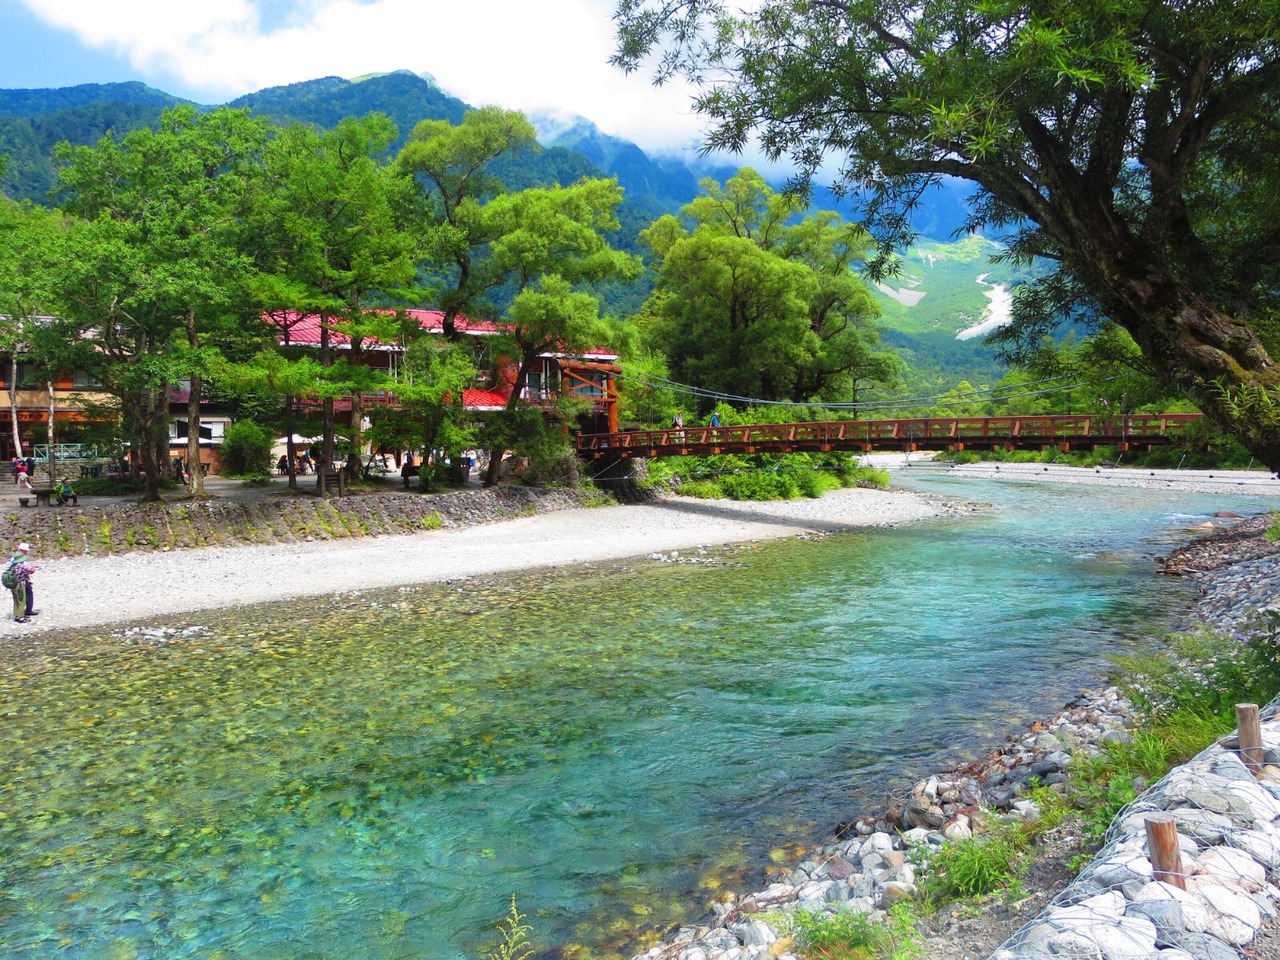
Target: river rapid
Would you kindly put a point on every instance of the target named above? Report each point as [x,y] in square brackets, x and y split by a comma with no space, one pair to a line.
[375,775]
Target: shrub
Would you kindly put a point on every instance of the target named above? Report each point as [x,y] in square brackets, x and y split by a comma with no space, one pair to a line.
[975,867]
[702,489]
[121,486]
[760,485]
[870,477]
[814,483]
[845,935]
[246,449]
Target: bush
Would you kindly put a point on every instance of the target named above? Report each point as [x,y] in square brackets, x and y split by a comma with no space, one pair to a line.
[760,485]
[845,935]
[702,489]
[976,867]
[246,449]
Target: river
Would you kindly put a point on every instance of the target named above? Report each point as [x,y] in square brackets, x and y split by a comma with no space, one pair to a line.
[375,776]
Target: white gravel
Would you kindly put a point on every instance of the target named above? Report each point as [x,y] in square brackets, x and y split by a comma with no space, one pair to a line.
[88,591]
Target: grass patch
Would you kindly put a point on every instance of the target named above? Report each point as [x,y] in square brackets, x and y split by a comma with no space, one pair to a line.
[846,935]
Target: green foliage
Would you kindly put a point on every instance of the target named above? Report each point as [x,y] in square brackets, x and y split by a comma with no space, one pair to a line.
[514,933]
[978,866]
[760,485]
[121,486]
[246,449]
[751,301]
[845,935]
[702,489]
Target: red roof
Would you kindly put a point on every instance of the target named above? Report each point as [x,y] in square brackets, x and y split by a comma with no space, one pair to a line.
[304,330]
[484,400]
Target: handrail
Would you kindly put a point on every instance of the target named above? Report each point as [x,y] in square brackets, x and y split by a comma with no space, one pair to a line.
[948,431]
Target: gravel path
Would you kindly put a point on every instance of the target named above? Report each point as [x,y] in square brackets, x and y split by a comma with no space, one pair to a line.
[88,591]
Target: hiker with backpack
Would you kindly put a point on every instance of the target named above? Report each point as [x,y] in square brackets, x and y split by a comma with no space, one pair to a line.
[17,577]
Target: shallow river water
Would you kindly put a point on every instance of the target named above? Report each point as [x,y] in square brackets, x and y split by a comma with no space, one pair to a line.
[374,776]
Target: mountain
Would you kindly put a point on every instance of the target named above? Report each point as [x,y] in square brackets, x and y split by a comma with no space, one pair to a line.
[403,96]
[944,299]
[33,121]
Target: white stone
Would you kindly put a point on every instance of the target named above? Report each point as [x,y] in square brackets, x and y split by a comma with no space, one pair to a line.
[757,933]
[879,843]
[813,890]
[1235,864]
[1235,918]
[1112,873]
[1196,912]
[916,837]
[1258,844]
[1074,945]
[1131,938]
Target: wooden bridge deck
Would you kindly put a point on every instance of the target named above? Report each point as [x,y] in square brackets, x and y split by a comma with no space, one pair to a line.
[952,433]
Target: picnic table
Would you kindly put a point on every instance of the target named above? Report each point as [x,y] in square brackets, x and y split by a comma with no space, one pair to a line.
[43,496]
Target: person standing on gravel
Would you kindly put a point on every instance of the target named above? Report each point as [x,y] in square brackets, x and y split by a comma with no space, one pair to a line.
[19,572]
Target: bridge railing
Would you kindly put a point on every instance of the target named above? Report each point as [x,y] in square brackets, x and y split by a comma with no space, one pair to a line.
[934,431]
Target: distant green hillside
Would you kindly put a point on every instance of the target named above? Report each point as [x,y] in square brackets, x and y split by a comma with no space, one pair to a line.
[942,292]
[32,121]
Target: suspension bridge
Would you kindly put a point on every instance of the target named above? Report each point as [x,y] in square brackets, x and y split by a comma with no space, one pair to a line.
[1063,432]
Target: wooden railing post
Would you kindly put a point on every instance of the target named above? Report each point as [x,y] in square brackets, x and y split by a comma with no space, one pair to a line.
[1249,728]
[1162,847]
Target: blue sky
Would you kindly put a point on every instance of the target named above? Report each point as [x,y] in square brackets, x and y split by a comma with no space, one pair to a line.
[532,55]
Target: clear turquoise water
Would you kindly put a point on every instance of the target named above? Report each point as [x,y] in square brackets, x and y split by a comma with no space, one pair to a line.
[374,777]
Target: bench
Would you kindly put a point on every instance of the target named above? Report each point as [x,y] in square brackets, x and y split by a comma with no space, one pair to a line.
[42,495]
[332,481]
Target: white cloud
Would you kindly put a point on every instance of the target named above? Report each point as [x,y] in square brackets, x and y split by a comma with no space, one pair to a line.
[522,54]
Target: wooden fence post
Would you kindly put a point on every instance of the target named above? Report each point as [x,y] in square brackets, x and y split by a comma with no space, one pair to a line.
[1162,846]
[1249,728]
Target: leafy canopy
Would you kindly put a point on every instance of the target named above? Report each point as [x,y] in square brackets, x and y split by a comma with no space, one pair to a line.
[1130,142]
[752,299]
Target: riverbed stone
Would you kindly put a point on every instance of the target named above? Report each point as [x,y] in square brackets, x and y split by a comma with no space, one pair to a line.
[838,868]
[757,933]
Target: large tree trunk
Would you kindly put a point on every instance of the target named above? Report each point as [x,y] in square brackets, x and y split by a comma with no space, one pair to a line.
[13,404]
[152,444]
[1215,359]
[51,434]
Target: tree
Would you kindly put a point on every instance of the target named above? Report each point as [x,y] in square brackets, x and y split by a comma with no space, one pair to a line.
[451,164]
[25,233]
[1130,142]
[152,266]
[759,301]
[549,246]
[333,240]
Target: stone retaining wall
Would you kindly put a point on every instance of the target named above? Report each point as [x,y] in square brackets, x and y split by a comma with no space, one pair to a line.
[1228,824]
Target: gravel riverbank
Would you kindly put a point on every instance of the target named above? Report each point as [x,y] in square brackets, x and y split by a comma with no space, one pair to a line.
[483,532]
